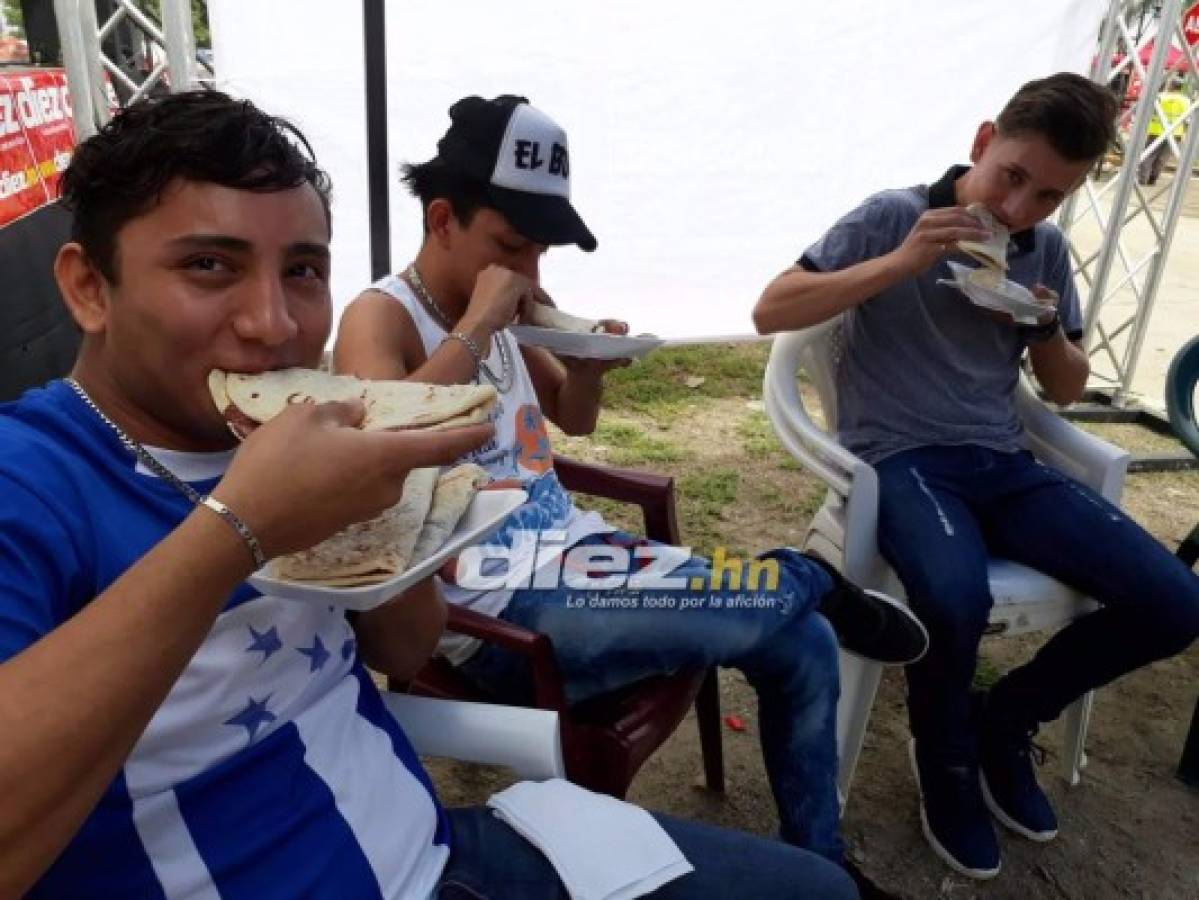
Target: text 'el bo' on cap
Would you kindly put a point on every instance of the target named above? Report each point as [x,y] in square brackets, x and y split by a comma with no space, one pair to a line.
[521,157]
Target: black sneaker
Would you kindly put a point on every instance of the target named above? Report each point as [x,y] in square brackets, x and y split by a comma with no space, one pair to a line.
[1009,783]
[870,624]
[954,817]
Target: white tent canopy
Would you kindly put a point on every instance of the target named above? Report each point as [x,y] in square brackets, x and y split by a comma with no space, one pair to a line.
[709,144]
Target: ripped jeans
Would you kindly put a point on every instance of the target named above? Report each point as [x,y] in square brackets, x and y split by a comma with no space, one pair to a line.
[945,509]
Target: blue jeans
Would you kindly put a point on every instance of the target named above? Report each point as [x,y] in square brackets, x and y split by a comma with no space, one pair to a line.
[490,860]
[786,649]
[944,510]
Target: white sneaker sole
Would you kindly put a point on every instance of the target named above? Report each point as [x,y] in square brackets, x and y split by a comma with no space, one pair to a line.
[946,857]
[911,616]
[1041,837]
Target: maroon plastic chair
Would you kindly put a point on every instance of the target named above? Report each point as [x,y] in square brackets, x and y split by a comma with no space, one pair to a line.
[606,739]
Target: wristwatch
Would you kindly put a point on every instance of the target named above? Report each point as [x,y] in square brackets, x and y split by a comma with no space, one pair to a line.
[1042,332]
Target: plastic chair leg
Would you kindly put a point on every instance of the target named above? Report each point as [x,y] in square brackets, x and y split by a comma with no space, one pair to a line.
[859,684]
[1074,755]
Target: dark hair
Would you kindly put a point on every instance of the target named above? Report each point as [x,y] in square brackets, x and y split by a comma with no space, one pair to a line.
[1075,115]
[120,173]
[435,179]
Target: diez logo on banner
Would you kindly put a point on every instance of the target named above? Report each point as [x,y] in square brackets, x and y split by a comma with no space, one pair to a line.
[37,137]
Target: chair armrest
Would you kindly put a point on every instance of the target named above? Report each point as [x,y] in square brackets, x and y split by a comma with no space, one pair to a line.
[653,493]
[493,630]
[813,448]
[1063,445]
[537,647]
[852,479]
[526,740]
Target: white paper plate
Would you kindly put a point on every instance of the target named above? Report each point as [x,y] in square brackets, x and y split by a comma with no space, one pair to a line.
[1011,298]
[585,346]
[483,518]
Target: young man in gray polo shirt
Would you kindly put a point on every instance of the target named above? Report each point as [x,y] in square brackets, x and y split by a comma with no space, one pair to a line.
[925,394]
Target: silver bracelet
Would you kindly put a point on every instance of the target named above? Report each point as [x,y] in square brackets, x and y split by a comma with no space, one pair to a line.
[243,530]
[469,343]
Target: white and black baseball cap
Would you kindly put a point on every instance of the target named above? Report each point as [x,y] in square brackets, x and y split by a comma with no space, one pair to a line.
[520,155]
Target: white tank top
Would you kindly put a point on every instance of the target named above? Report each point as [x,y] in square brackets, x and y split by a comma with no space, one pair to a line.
[520,449]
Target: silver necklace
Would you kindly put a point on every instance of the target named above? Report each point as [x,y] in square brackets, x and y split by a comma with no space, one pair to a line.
[501,382]
[147,459]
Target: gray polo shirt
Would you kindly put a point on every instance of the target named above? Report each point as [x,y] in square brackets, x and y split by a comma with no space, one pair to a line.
[922,365]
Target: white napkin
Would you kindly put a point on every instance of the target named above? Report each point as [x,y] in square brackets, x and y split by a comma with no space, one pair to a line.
[602,848]
[1005,296]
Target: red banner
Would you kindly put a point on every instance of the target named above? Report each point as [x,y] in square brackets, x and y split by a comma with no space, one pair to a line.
[37,136]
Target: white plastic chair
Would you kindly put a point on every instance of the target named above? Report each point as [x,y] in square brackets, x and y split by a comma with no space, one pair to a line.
[843,530]
[525,740]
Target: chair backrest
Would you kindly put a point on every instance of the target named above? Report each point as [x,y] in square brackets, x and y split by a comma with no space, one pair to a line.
[1180,394]
[38,337]
[821,352]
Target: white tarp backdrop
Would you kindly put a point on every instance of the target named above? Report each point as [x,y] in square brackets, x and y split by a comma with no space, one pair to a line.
[710,143]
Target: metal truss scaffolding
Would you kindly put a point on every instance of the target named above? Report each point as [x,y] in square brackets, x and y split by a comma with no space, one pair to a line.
[165,57]
[1119,283]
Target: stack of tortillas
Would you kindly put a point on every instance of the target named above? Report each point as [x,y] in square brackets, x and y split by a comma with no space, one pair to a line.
[404,536]
[430,507]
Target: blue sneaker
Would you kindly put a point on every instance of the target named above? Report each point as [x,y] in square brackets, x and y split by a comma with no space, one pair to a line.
[1009,783]
[954,817]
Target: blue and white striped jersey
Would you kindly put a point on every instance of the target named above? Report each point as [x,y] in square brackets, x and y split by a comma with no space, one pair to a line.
[272,768]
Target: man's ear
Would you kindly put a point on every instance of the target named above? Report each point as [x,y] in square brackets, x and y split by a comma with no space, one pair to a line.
[982,138]
[83,287]
[439,218]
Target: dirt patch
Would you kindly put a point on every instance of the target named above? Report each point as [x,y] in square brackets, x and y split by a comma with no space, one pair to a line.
[1129,830]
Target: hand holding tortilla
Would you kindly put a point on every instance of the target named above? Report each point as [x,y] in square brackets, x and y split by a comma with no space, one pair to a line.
[992,253]
[382,547]
[249,400]
[294,505]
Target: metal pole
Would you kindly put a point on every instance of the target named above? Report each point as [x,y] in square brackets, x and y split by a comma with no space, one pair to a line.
[180,43]
[74,58]
[1132,150]
[1174,204]
[93,53]
[374,41]
[1100,72]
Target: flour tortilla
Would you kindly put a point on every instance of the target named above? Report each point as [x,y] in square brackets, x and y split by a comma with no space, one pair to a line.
[366,552]
[986,277]
[453,494]
[390,405]
[993,251]
[545,316]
